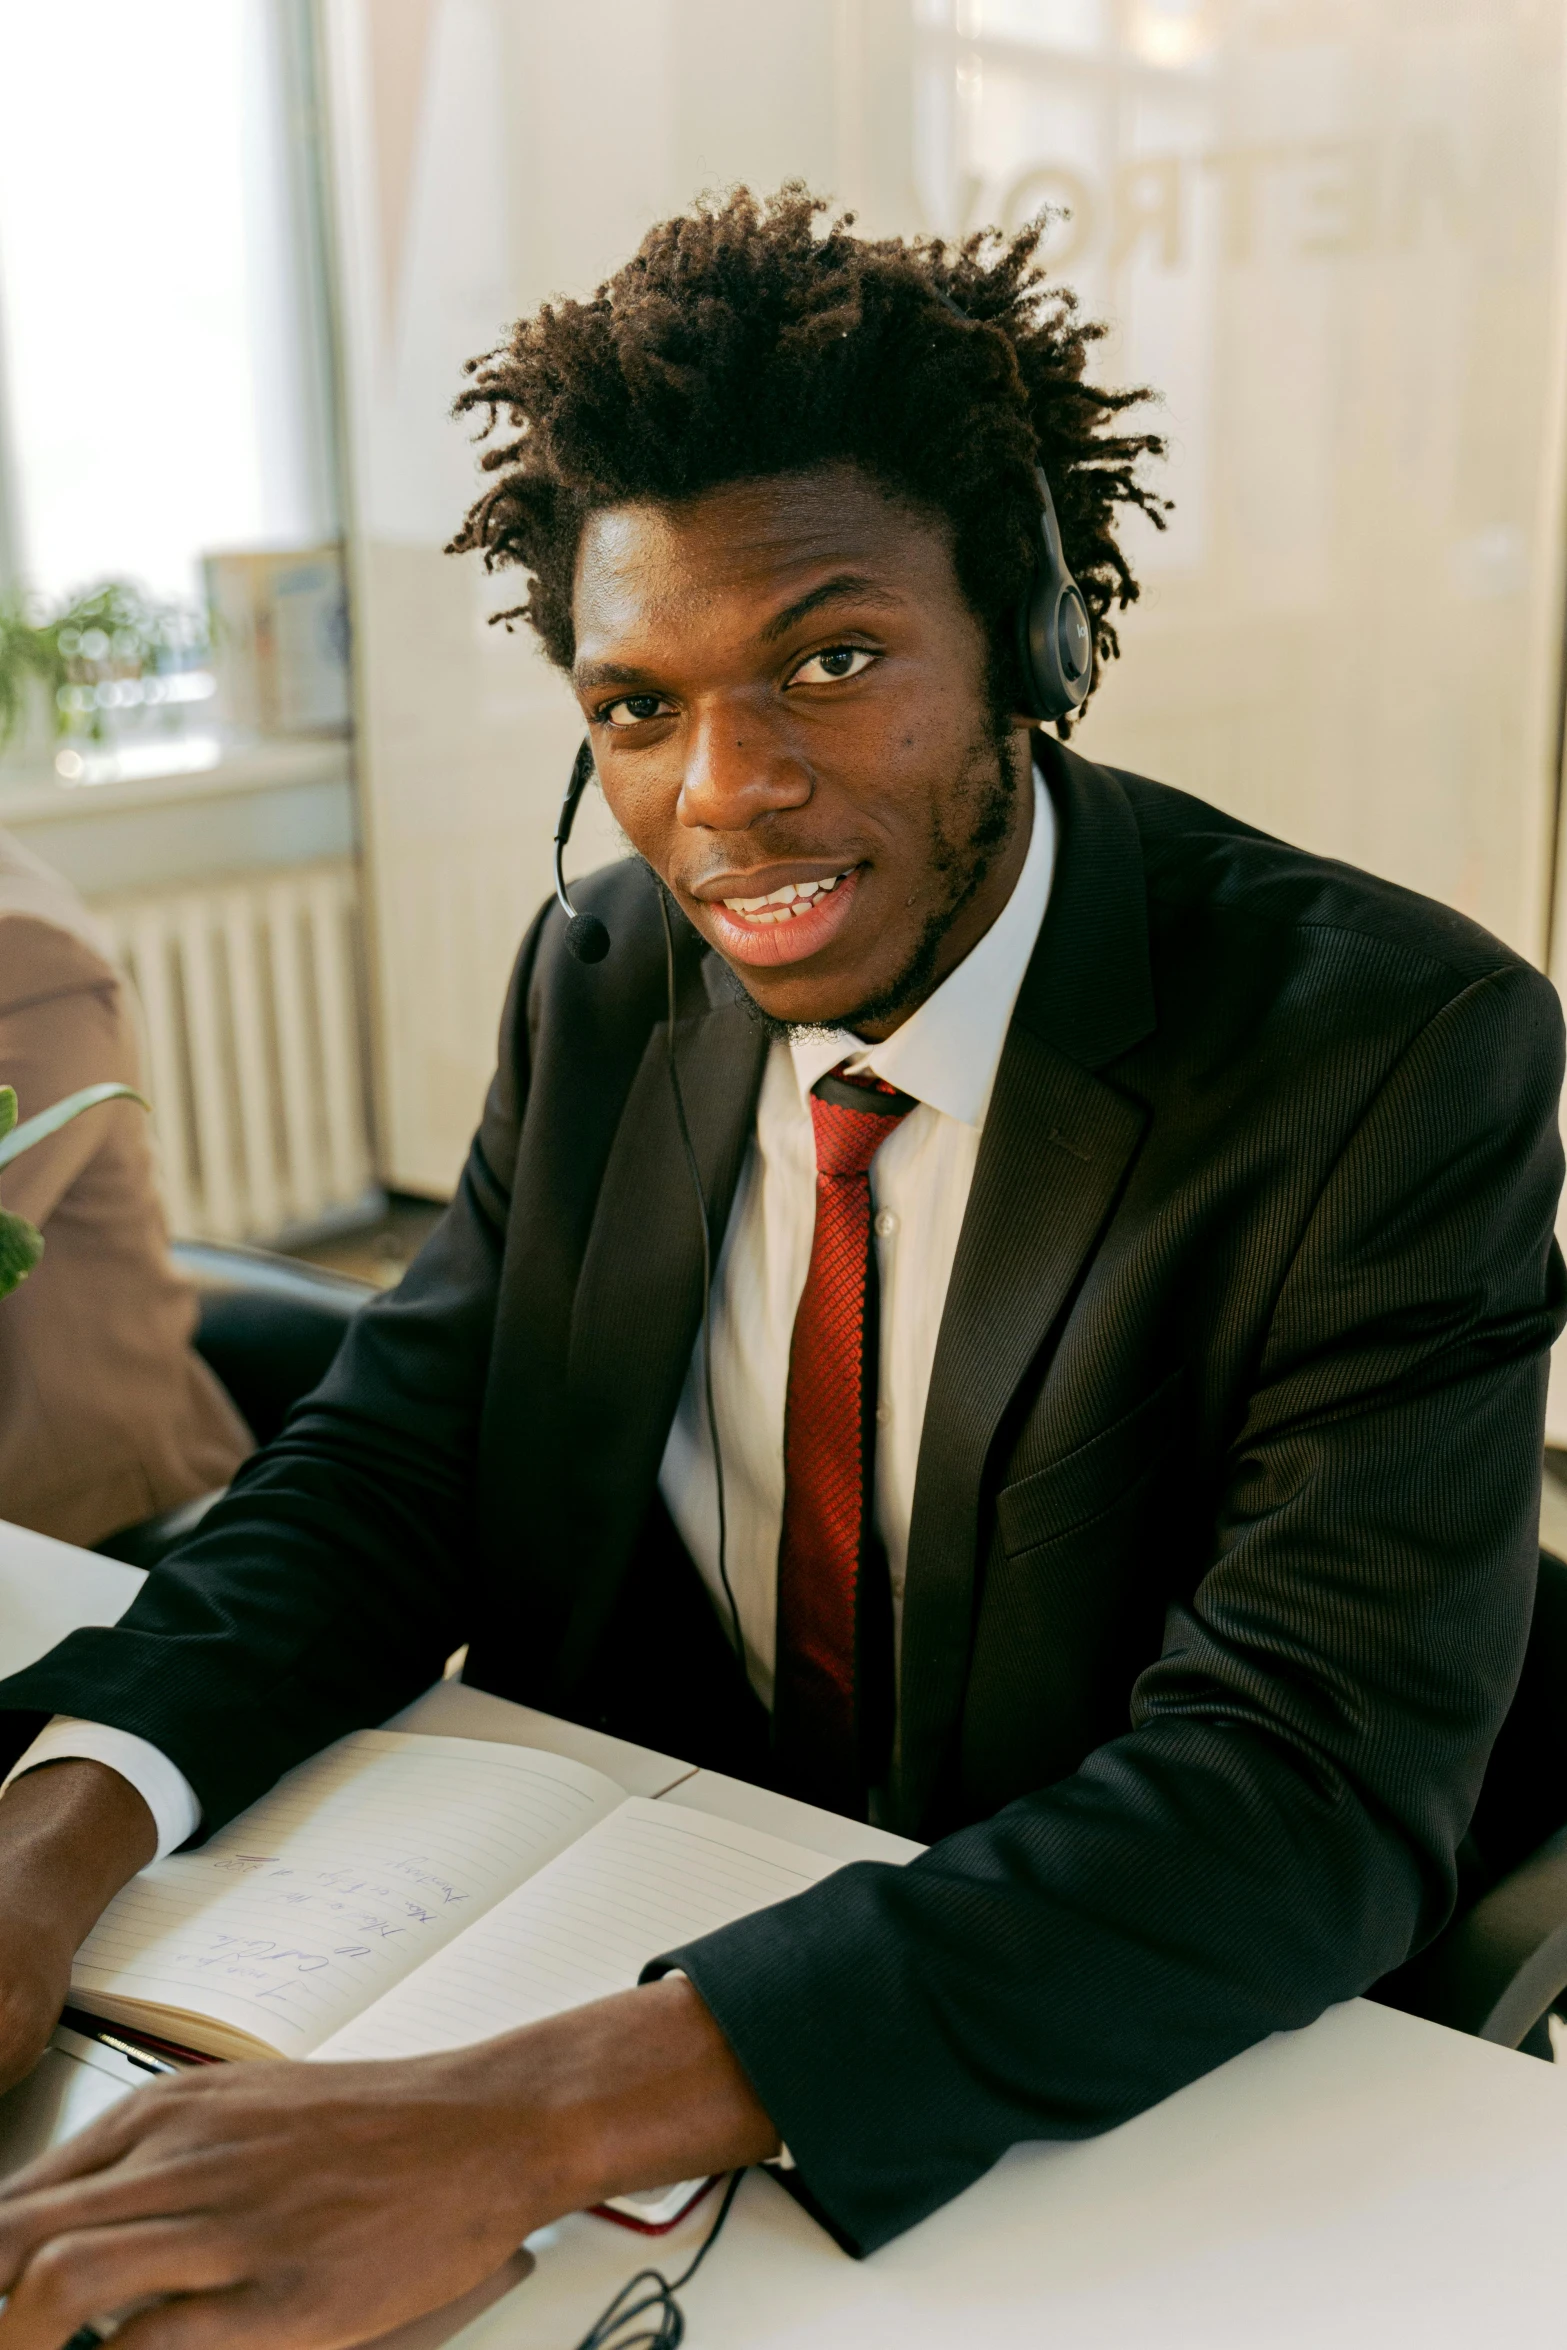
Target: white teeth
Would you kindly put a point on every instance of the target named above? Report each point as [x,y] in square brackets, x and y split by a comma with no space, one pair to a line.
[781,905]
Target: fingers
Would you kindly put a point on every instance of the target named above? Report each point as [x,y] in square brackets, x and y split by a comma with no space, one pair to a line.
[129,2193]
[214,2321]
[278,2209]
[94,2272]
[247,2318]
[106,2140]
[77,2160]
[157,2115]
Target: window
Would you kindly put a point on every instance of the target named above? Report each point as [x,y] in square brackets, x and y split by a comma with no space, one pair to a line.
[162,390]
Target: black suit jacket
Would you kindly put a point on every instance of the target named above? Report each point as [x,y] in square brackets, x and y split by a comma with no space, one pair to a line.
[1223,1541]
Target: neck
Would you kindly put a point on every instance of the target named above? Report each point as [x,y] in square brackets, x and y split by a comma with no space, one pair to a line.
[975,913]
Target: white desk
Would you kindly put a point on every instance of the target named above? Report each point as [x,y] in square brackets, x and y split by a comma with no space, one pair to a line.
[1371,2183]
[50,1588]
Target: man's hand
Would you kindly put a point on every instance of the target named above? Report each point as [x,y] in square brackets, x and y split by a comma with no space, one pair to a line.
[71,1834]
[307,2207]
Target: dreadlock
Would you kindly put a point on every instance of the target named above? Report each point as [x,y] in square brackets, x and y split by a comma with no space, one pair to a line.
[741,342]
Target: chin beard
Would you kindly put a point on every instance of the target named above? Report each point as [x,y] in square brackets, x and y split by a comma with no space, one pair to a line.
[960,866]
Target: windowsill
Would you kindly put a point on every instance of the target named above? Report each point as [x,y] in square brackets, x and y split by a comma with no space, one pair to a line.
[33,794]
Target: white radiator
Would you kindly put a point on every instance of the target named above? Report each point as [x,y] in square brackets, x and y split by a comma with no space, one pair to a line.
[255,1047]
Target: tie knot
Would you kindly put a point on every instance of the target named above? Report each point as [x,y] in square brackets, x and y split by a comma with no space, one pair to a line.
[853,1117]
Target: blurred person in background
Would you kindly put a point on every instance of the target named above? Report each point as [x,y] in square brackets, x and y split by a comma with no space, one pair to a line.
[107,1414]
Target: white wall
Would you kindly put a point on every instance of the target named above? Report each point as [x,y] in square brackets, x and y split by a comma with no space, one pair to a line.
[1330,232]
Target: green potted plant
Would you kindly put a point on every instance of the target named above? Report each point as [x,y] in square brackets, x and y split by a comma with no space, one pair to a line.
[112,646]
[21,1243]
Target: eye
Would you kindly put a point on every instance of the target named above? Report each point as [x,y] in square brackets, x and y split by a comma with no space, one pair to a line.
[635,710]
[833,665]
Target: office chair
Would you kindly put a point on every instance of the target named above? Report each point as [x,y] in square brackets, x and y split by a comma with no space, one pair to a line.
[269,1327]
[1499,1966]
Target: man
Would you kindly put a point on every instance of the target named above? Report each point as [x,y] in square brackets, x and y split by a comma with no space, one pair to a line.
[1168,1556]
[107,1414]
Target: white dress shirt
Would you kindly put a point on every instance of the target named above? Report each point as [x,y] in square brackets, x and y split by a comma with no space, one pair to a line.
[946,1055]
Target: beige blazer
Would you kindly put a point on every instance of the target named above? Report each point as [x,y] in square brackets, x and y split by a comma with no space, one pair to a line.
[107,1415]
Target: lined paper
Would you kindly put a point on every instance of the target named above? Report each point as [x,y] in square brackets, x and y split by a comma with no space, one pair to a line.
[644,1879]
[354,1870]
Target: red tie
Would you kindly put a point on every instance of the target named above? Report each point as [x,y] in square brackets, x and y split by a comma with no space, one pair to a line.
[832,1708]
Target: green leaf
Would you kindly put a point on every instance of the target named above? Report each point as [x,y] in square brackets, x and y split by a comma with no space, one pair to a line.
[7,1108]
[21,1246]
[57,1115]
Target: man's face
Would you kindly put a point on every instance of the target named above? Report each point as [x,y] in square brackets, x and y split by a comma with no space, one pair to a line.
[787,695]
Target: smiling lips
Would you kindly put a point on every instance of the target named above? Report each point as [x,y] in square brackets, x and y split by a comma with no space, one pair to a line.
[787,924]
[782,905]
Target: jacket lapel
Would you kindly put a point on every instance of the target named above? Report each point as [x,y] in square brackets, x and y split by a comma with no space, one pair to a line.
[638,1303]
[1057,1144]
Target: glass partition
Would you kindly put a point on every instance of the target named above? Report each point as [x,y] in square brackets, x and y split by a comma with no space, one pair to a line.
[1327,233]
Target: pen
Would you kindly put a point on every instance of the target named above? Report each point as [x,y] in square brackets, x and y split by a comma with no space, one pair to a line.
[151,2054]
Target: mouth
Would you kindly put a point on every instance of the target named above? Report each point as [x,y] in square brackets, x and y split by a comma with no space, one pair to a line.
[784,924]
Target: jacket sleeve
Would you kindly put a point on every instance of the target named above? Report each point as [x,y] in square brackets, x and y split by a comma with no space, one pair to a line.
[330,1585]
[70,1031]
[1277,1829]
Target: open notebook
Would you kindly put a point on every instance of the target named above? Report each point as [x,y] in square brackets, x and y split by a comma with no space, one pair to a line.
[398,1894]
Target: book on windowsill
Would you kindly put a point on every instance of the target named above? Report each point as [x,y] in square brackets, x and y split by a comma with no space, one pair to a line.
[401,1893]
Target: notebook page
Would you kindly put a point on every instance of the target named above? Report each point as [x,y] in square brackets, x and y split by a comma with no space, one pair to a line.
[353,1870]
[643,1880]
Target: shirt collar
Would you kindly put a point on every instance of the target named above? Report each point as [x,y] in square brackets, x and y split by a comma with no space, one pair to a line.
[947,1053]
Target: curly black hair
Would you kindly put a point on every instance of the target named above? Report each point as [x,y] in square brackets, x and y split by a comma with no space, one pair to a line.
[741,341]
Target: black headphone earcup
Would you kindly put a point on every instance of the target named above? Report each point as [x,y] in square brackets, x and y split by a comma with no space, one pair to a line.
[1055,631]
[1056,648]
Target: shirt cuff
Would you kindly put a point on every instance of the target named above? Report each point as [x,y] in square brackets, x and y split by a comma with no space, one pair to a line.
[162,1786]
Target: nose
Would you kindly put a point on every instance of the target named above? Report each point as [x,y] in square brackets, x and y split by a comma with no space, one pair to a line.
[738,771]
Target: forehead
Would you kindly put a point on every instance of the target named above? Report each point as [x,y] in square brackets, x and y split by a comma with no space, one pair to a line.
[746,550]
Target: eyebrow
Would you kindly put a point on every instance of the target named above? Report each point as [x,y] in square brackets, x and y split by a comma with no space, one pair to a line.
[843,587]
[588,676]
